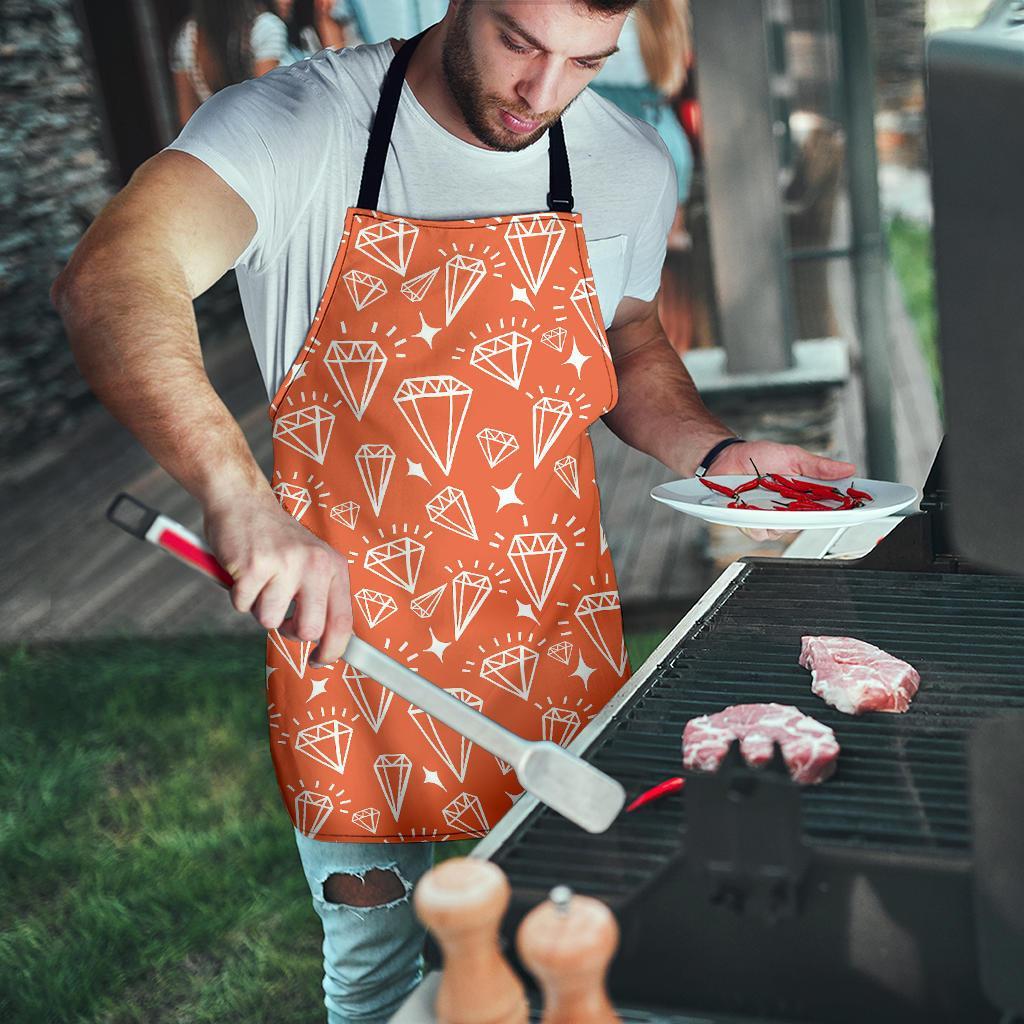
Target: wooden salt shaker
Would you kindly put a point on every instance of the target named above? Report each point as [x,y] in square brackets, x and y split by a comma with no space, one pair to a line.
[462,902]
[567,943]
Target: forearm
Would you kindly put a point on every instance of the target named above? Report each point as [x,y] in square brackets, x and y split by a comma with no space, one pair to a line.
[659,410]
[132,329]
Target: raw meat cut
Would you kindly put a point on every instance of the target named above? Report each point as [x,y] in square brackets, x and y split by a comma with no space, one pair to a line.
[808,747]
[855,677]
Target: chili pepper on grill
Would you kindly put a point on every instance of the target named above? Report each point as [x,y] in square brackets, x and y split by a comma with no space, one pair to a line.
[657,792]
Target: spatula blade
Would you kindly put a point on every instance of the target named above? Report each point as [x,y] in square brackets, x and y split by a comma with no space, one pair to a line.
[567,784]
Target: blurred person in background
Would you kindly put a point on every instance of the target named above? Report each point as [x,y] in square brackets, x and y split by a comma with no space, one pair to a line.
[221,43]
[314,25]
[648,73]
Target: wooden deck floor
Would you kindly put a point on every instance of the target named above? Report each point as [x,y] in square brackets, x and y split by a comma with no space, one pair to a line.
[68,573]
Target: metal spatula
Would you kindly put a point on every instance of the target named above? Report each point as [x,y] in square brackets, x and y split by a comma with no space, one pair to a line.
[564,782]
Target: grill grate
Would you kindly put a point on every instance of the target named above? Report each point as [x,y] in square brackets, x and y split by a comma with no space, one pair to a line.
[901,785]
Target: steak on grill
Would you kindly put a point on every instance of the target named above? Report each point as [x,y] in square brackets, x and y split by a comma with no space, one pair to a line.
[854,676]
[809,748]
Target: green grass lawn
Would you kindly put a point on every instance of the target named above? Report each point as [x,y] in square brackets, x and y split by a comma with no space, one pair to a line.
[910,248]
[149,870]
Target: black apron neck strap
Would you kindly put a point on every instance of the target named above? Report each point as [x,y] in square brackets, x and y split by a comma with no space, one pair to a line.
[560,184]
[383,122]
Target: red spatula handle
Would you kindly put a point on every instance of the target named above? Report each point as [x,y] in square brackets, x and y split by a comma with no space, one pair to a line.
[147,524]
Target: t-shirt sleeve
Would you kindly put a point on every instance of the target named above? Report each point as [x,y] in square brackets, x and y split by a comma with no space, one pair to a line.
[269,38]
[652,238]
[268,139]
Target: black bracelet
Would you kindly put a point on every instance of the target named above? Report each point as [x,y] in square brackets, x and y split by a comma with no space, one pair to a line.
[705,463]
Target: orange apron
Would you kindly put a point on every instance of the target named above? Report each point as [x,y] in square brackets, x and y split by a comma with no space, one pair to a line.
[433,429]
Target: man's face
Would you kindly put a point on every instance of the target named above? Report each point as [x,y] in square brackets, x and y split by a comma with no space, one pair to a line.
[513,66]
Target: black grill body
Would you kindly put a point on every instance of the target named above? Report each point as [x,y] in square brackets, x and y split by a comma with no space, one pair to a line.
[843,902]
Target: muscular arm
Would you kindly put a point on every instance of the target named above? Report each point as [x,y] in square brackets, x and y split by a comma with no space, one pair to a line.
[126,301]
[659,410]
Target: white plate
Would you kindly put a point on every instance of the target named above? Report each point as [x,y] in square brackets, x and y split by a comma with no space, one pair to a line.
[693,498]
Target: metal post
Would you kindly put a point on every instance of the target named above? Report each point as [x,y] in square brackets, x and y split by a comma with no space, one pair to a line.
[857,69]
[744,202]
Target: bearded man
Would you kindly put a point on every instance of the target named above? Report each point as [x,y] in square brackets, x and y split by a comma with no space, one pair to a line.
[448,251]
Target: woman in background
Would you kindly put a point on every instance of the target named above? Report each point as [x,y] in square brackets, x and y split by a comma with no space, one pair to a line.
[313,25]
[648,72]
[221,43]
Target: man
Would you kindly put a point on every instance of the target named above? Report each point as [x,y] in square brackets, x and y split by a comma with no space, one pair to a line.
[437,325]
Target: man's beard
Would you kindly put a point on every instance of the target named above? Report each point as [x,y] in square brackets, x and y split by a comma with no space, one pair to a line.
[466,86]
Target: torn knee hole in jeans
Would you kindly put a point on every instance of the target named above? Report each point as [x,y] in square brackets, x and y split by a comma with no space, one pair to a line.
[374,888]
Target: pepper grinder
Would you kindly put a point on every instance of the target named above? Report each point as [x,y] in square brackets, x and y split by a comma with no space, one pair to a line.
[462,902]
[567,943]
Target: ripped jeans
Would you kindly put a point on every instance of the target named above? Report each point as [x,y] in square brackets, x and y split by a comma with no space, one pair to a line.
[372,954]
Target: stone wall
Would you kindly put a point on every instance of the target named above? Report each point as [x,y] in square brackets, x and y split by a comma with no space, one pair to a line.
[54,178]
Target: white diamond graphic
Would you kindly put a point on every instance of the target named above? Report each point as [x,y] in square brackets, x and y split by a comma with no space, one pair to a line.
[356,367]
[462,274]
[390,243]
[426,603]
[497,445]
[297,659]
[368,818]
[326,742]
[397,561]
[559,725]
[512,670]
[536,559]
[550,415]
[372,699]
[503,357]
[393,771]
[306,430]
[417,287]
[375,605]
[375,462]
[584,298]
[435,408]
[311,811]
[450,509]
[533,242]
[562,651]
[469,591]
[567,472]
[555,338]
[600,616]
[364,288]
[452,748]
[503,765]
[346,513]
[466,814]
[294,500]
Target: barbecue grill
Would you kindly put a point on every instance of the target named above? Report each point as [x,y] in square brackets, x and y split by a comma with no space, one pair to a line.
[751,897]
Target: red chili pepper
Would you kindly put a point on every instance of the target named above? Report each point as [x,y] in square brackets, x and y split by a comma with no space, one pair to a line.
[809,487]
[806,505]
[656,792]
[750,485]
[862,495]
[719,488]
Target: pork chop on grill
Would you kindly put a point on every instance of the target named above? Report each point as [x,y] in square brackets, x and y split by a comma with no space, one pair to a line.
[854,676]
[809,748]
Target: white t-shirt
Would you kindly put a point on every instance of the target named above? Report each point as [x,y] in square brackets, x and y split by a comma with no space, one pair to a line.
[292,143]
